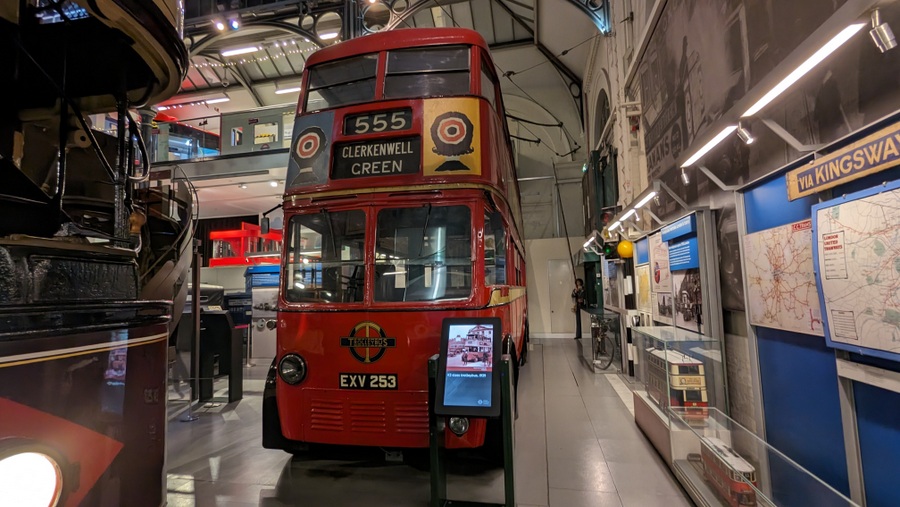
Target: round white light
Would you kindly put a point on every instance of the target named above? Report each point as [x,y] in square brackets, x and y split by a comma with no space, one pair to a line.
[459,425]
[30,479]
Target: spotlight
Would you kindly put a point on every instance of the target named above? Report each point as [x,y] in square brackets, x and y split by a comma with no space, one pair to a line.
[685,178]
[881,33]
[235,24]
[744,134]
[220,26]
[273,183]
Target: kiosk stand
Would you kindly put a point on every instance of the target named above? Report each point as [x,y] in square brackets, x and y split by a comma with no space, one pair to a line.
[437,427]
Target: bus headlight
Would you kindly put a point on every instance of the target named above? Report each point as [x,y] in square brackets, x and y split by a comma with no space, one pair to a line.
[459,425]
[30,479]
[292,369]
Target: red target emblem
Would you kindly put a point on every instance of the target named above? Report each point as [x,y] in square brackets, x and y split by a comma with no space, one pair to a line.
[309,143]
[451,130]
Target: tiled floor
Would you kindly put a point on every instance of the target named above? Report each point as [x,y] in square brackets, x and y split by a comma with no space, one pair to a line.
[576,445]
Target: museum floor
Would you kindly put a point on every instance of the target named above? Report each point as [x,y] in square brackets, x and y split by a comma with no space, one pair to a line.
[576,445]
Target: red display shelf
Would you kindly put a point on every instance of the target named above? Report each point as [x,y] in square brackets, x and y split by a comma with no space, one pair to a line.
[246,246]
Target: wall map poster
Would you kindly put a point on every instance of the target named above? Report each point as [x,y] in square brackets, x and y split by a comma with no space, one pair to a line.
[643,288]
[780,280]
[660,277]
[857,256]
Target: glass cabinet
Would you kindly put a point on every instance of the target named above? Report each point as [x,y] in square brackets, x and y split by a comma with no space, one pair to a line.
[603,353]
[675,368]
[722,463]
[680,404]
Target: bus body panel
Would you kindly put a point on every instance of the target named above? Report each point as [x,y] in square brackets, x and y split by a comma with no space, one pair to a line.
[337,403]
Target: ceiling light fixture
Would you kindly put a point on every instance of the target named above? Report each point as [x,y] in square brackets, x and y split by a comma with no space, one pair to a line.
[292,89]
[273,183]
[240,51]
[744,134]
[881,33]
[220,26]
[329,36]
[646,199]
[710,145]
[817,57]
[216,101]
[242,186]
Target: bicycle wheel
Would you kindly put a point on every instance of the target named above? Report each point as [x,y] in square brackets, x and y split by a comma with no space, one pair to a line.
[605,352]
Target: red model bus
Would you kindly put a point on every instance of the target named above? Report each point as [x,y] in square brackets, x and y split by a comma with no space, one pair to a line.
[732,476]
[401,209]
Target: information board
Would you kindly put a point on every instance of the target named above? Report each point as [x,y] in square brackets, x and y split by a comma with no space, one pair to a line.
[856,249]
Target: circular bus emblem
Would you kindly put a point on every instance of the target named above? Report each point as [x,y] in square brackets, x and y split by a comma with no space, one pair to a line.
[309,143]
[367,342]
[452,134]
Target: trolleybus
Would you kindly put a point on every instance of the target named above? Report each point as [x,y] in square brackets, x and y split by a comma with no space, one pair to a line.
[401,209]
[729,473]
[677,379]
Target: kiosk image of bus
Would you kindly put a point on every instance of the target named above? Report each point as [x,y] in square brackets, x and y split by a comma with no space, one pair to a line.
[402,195]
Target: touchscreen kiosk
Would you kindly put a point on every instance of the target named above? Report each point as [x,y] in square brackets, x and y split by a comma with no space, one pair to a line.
[467,382]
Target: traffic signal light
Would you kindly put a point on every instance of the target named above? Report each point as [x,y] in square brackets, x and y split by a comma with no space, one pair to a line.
[610,250]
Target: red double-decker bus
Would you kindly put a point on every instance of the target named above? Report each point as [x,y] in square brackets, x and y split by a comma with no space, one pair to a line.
[401,209]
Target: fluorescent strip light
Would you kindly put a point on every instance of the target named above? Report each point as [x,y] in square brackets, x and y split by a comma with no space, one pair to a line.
[240,51]
[287,90]
[328,36]
[710,145]
[645,200]
[805,67]
[216,101]
[587,243]
[630,212]
[614,225]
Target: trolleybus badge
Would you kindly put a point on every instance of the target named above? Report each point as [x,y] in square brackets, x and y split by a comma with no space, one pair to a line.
[364,337]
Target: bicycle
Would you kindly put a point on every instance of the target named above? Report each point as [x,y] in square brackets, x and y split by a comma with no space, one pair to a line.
[606,350]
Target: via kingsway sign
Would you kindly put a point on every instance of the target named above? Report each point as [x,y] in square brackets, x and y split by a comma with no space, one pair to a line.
[869,155]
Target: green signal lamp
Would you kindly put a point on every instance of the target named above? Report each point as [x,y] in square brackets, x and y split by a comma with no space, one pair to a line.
[609,249]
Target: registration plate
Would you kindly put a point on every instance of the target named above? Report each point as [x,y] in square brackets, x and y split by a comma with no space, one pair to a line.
[368,381]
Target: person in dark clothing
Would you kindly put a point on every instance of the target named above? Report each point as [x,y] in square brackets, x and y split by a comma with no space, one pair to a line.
[578,300]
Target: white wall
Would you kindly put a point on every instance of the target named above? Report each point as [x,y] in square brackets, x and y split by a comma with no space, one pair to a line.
[230,277]
[538,252]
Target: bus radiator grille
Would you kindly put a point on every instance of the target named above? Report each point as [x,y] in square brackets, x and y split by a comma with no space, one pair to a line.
[326,415]
[368,416]
[411,417]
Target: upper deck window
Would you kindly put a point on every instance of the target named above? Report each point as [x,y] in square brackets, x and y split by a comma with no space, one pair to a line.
[348,81]
[427,72]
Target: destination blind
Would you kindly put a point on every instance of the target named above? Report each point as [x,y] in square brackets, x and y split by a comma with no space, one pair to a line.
[389,157]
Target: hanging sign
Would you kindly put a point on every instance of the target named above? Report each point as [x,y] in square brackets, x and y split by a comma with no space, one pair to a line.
[869,155]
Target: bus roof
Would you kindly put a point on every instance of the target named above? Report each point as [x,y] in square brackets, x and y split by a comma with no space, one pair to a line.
[728,455]
[397,39]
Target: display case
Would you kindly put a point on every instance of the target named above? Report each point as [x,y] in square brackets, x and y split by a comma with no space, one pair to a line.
[722,463]
[603,353]
[675,368]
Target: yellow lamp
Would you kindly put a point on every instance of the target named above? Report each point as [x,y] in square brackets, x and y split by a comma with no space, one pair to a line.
[625,249]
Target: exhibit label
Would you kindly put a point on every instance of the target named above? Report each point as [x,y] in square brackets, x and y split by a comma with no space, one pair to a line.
[681,227]
[869,155]
[684,255]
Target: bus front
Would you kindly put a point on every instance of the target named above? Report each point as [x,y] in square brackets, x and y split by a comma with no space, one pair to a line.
[394,220]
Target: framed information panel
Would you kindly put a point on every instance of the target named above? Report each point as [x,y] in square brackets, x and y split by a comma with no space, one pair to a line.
[856,249]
